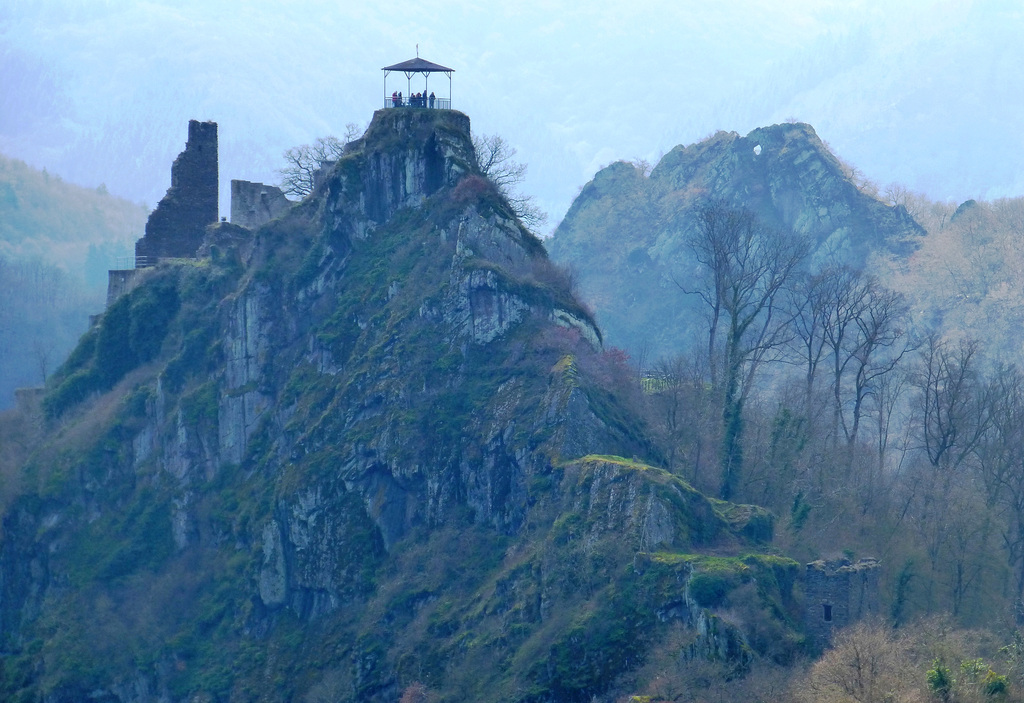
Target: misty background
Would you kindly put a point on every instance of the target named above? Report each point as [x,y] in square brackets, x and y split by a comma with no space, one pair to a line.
[921,93]
[98,95]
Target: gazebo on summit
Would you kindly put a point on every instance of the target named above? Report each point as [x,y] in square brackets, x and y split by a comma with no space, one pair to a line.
[426,99]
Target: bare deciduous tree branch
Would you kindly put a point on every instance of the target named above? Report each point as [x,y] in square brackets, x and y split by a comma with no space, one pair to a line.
[302,162]
[495,158]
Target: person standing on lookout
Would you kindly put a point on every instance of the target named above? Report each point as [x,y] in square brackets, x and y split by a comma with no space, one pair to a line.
[431,100]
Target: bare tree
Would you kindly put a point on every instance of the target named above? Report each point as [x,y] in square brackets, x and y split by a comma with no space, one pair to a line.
[896,194]
[857,324]
[1002,462]
[745,270]
[41,353]
[869,663]
[496,159]
[879,345]
[302,162]
[682,412]
[953,405]
[808,302]
[642,165]
[954,409]
[888,394]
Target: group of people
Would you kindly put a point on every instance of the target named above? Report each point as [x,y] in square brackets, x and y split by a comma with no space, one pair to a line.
[415,100]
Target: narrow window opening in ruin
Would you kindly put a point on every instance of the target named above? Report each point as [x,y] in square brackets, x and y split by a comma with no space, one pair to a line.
[828,612]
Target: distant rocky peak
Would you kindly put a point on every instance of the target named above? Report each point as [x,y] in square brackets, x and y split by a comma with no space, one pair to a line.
[790,180]
[626,235]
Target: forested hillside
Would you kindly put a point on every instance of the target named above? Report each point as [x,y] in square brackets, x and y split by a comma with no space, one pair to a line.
[847,357]
[967,279]
[57,241]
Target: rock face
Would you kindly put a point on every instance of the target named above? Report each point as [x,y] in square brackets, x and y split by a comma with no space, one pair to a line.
[625,234]
[789,178]
[371,443]
[177,226]
[255,204]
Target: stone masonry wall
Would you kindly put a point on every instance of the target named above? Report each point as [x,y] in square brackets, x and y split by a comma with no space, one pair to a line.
[838,593]
[255,204]
[118,283]
[175,229]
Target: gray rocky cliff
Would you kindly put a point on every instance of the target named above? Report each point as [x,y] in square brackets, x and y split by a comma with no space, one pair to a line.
[625,234]
[307,457]
[790,179]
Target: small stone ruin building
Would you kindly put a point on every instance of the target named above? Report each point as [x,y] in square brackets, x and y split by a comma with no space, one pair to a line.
[838,593]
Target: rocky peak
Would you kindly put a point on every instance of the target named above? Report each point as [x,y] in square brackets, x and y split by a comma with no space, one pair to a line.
[626,234]
[787,176]
[408,155]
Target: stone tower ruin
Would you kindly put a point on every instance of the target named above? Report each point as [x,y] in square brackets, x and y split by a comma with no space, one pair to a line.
[838,593]
[176,228]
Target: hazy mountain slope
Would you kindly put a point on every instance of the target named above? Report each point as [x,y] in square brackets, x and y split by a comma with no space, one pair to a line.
[625,234]
[42,216]
[366,446]
[923,93]
[57,241]
[968,276]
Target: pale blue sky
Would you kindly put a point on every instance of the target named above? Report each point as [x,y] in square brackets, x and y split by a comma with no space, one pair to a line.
[924,93]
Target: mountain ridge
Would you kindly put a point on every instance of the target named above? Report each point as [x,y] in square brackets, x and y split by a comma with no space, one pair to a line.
[625,234]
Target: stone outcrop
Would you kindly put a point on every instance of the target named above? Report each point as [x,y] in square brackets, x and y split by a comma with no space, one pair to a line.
[403,159]
[838,593]
[255,204]
[626,233]
[176,227]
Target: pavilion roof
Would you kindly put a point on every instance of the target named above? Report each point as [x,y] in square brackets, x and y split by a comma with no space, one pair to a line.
[418,65]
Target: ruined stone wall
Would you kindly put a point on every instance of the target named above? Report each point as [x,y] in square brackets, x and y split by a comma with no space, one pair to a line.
[175,229]
[118,283]
[255,204]
[838,593]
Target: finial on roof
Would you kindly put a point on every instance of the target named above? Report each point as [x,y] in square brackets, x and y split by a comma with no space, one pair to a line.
[417,51]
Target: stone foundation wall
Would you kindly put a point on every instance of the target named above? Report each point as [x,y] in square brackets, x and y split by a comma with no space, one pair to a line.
[118,283]
[29,401]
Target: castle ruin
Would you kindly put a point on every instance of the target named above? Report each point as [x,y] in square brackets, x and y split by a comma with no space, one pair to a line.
[176,227]
[255,204]
[838,593]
